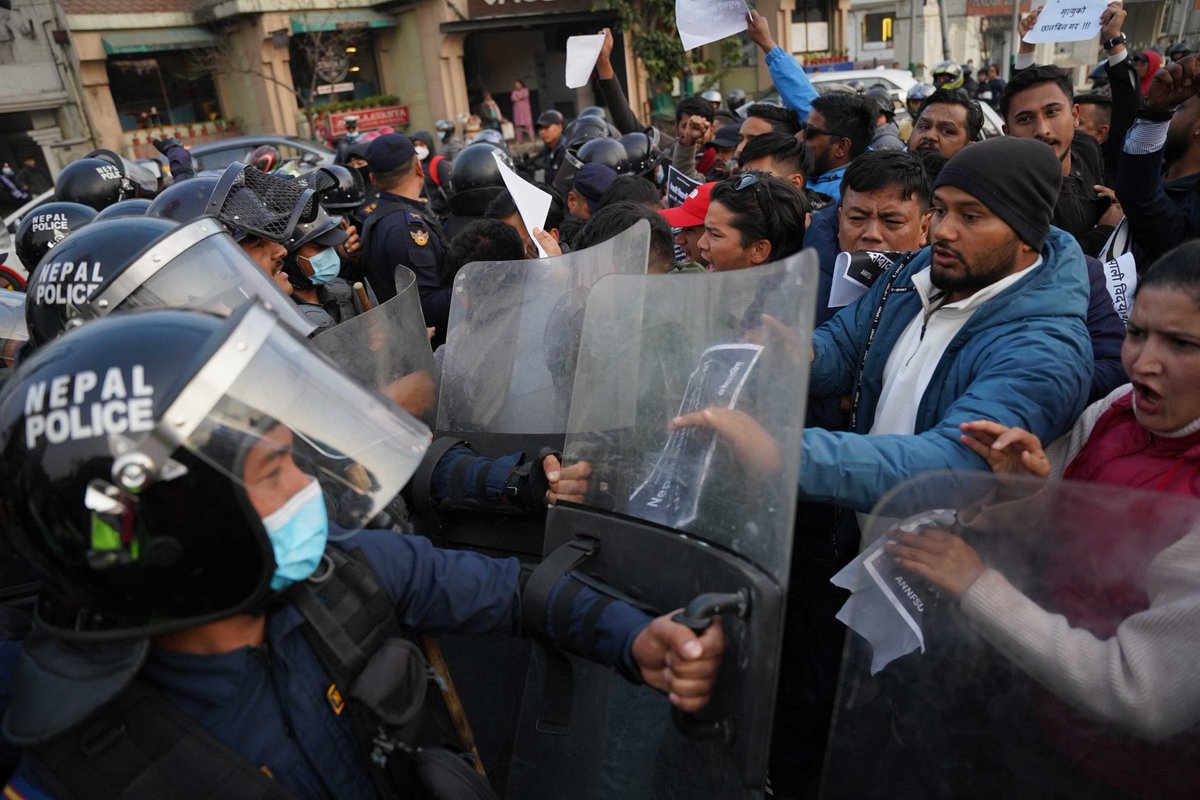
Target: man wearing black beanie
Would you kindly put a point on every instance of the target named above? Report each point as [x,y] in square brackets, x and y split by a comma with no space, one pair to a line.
[986,323]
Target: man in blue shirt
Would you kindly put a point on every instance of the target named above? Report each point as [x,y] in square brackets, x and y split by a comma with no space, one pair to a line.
[838,130]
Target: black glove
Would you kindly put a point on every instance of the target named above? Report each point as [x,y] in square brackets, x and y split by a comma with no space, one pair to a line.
[527,484]
[163,145]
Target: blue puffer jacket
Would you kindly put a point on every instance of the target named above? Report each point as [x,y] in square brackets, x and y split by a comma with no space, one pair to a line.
[1023,359]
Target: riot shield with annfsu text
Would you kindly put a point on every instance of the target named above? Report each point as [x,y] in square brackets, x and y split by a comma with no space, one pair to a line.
[688,404]
[1050,650]
[388,347]
[509,359]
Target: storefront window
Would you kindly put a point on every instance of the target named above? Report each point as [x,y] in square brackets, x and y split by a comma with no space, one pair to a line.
[334,65]
[160,88]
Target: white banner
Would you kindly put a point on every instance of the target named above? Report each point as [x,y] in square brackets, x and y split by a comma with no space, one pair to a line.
[1067,21]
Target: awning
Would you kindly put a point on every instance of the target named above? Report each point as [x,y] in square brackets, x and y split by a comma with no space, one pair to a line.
[152,40]
[340,19]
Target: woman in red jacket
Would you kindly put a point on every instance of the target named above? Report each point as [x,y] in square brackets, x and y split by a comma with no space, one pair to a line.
[1125,604]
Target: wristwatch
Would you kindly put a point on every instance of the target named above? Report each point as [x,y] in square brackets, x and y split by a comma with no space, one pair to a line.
[1109,44]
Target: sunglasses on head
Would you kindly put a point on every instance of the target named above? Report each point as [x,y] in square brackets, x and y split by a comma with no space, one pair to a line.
[748,180]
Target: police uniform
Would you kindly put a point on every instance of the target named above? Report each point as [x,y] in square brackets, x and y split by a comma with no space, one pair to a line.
[402,232]
[272,705]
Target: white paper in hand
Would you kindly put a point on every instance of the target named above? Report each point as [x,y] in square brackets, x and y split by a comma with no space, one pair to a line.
[582,52]
[532,203]
[1067,21]
[704,21]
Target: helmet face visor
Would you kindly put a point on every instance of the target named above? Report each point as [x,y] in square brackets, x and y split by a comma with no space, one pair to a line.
[199,267]
[292,416]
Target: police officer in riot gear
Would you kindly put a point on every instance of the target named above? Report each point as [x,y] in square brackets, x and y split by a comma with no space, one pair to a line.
[475,181]
[313,266]
[340,191]
[401,231]
[124,264]
[46,226]
[188,557]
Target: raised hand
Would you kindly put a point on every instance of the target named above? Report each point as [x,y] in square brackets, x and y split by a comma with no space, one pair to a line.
[759,31]
[1008,451]
[1173,83]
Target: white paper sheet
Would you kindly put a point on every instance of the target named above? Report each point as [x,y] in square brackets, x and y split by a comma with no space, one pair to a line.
[532,203]
[582,52]
[1067,21]
[704,21]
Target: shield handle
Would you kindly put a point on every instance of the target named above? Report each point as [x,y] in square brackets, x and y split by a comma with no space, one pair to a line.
[697,616]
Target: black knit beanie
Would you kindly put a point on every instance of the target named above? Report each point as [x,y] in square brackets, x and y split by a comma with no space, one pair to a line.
[1018,179]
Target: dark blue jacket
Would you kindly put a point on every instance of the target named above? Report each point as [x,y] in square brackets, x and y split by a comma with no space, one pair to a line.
[1161,213]
[1103,323]
[408,236]
[269,703]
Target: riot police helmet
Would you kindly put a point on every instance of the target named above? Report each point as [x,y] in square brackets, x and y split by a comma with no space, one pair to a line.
[250,202]
[338,188]
[444,128]
[93,182]
[713,97]
[735,100]
[144,181]
[184,201]
[475,178]
[608,152]
[583,130]
[126,264]
[152,462]
[133,207]
[643,156]
[48,225]
[593,111]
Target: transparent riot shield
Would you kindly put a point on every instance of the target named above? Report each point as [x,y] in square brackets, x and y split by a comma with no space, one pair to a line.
[509,360]
[388,347]
[688,404]
[13,332]
[1041,642]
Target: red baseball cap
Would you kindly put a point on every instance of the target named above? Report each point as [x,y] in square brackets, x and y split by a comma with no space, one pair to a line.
[692,211]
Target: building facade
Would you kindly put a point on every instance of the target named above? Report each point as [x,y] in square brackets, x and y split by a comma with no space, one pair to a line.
[41,116]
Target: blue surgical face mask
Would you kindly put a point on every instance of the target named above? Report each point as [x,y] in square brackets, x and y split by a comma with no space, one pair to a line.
[325,266]
[298,531]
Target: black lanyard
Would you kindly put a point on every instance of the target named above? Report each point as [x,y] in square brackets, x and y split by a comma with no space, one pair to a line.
[859,379]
